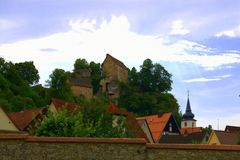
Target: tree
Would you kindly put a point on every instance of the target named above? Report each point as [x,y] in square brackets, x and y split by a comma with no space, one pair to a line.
[80,64]
[91,120]
[147,91]
[59,85]
[96,75]
[28,72]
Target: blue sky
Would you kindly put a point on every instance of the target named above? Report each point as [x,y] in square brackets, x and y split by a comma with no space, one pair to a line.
[196,41]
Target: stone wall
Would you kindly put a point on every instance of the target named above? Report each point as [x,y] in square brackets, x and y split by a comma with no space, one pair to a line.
[25,147]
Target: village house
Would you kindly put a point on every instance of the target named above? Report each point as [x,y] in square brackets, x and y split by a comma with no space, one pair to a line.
[81,83]
[114,72]
[6,123]
[223,137]
[25,120]
[161,124]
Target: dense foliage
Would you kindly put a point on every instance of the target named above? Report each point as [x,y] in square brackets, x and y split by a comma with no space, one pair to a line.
[91,120]
[147,91]
[16,93]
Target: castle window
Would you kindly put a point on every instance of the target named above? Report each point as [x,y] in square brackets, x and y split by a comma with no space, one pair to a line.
[185,124]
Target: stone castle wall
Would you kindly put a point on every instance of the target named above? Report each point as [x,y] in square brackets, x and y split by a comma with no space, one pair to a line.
[25,147]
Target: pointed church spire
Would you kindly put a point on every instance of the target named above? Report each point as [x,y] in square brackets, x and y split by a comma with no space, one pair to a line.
[188,113]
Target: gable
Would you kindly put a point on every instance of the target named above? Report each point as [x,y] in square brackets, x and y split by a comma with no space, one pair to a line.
[113,61]
[158,124]
[5,122]
[213,139]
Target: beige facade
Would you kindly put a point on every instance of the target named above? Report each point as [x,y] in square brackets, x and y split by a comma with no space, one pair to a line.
[188,124]
[5,122]
[114,69]
[213,139]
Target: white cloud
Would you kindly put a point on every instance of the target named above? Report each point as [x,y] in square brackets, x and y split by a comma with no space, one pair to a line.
[203,79]
[89,40]
[178,29]
[6,24]
[235,32]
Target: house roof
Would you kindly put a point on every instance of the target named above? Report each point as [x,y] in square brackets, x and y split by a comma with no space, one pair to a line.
[232,129]
[184,139]
[61,103]
[133,126]
[226,137]
[190,130]
[141,122]
[24,118]
[157,123]
[116,61]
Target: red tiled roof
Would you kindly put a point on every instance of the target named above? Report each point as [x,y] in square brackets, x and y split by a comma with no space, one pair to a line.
[190,130]
[60,103]
[157,124]
[131,120]
[24,118]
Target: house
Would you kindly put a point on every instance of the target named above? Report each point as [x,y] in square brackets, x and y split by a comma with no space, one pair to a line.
[24,120]
[6,123]
[145,127]
[114,72]
[188,124]
[233,129]
[57,104]
[81,83]
[161,124]
[132,124]
[223,137]
[192,138]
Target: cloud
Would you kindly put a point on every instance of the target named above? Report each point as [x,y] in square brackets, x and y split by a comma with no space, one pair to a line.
[89,40]
[48,50]
[6,24]
[202,79]
[235,32]
[178,29]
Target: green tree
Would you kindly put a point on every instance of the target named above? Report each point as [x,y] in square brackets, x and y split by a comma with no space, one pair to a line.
[96,75]
[91,120]
[81,64]
[28,72]
[59,85]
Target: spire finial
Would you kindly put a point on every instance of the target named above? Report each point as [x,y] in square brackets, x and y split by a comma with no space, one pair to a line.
[188,93]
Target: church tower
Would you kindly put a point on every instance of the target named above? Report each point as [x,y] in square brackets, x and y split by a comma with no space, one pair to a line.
[187,119]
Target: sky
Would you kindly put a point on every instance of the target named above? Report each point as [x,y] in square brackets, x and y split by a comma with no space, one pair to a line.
[198,42]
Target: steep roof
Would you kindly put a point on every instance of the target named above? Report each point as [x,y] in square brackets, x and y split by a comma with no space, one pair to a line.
[232,129]
[61,103]
[157,123]
[190,130]
[133,126]
[226,137]
[143,122]
[116,61]
[188,113]
[24,118]
[184,139]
